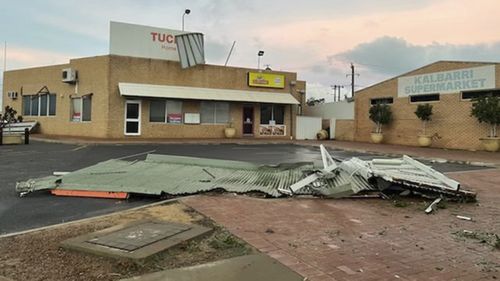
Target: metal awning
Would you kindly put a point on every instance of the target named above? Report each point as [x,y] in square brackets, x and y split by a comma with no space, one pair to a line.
[178,92]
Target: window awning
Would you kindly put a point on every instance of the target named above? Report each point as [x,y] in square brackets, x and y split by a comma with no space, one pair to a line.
[177,92]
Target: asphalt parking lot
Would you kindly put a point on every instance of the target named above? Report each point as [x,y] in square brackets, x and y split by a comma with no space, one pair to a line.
[19,163]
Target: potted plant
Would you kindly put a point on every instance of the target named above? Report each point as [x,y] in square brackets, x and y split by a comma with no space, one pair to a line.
[487,110]
[230,131]
[380,114]
[424,113]
[9,117]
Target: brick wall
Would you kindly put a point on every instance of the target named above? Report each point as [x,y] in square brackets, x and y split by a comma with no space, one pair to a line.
[344,130]
[101,75]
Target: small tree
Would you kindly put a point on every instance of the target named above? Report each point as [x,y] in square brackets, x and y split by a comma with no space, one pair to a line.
[487,110]
[314,101]
[424,113]
[9,116]
[380,114]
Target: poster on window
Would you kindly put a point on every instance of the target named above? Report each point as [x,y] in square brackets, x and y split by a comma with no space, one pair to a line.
[174,118]
[272,130]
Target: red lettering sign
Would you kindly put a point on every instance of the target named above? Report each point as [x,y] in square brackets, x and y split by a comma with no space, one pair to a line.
[162,37]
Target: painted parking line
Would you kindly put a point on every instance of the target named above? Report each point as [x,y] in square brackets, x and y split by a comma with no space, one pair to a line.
[79,147]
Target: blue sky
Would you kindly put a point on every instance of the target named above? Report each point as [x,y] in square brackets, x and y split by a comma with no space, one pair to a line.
[316,38]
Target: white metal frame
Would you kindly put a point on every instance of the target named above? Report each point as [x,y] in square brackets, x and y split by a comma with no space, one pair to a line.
[81,109]
[138,102]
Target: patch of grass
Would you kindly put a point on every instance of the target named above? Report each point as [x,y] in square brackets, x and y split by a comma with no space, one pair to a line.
[400,204]
[224,241]
[491,239]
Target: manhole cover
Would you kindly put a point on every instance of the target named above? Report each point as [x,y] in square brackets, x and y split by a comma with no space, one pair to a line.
[138,236]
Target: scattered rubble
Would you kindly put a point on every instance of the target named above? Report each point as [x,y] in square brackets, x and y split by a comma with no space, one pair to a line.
[177,175]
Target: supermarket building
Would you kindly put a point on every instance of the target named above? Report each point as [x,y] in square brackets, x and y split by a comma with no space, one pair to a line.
[449,86]
[144,89]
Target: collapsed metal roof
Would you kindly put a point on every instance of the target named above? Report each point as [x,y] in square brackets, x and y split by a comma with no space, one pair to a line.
[178,175]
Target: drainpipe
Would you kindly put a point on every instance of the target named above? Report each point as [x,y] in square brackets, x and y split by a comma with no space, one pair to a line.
[291,122]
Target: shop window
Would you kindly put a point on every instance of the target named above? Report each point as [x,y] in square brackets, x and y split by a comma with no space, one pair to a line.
[477,94]
[214,112]
[52,104]
[43,105]
[165,111]
[26,105]
[381,101]
[157,111]
[272,114]
[34,105]
[39,105]
[81,109]
[424,98]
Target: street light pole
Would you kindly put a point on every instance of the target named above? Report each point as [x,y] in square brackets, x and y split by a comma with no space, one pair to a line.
[186,12]
[259,54]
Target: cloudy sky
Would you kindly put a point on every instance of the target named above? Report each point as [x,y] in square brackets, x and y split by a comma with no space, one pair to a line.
[316,38]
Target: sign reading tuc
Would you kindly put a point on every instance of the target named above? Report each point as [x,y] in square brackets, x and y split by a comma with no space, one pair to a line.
[476,78]
[143,41]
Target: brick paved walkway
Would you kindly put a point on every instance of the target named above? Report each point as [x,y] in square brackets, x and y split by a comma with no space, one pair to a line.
[368,239]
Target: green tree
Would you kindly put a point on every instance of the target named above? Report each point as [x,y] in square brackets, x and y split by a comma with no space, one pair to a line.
[487,109]
[380,114]
[424,113]
[9,116]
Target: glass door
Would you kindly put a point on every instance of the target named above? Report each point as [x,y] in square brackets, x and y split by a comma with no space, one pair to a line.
[133,118]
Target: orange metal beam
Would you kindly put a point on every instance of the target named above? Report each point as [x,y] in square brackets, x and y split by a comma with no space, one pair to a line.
[88,193]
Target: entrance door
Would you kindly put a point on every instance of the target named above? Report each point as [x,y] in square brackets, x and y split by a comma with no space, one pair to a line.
[248,120]
[132,118]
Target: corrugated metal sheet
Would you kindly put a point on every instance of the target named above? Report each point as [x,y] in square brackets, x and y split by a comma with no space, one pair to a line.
[175,175]
[191,49]
[178,175]
[178,92]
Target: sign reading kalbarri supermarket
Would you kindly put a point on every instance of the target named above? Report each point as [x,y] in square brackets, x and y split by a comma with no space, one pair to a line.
[143,41]
[445,82]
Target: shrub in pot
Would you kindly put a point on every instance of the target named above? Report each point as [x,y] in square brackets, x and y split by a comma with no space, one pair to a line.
[424,113]
[230,131]
[487,110]
[380,114]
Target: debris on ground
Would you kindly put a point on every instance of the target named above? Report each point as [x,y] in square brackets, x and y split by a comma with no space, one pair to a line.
[464,218]
[178,175]
[433,205]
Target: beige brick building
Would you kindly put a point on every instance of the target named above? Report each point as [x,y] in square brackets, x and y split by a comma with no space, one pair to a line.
[130,97]
[451,125]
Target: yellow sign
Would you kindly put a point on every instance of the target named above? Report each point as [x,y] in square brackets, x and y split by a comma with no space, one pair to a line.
[266,80]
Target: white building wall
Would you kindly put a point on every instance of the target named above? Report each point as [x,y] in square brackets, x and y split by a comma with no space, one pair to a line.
[335,110]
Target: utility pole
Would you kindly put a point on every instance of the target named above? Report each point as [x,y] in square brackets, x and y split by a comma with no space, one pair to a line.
[5,57]
[352,78]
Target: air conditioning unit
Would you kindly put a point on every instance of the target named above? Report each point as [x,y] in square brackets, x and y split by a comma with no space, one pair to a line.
[12,95]
[69,75]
